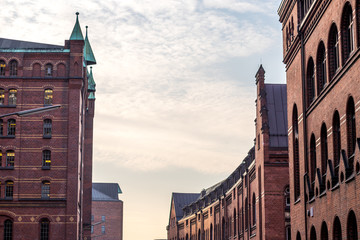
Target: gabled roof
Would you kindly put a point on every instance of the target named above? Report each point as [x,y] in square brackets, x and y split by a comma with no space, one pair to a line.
[76,33]
[181,200]
[17,44]
[88,53]
[105,191]
[277,114]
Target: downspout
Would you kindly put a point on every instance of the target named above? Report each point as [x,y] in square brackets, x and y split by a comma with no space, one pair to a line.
[303,76]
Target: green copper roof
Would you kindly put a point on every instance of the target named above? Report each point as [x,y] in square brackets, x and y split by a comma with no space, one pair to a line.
[88,53]
[91,82]
[91,95]
[76,33]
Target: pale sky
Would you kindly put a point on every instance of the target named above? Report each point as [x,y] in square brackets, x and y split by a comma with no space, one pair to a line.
[175,87]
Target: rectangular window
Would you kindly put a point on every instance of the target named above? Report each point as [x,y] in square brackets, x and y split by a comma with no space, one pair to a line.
[48,96]
[103,229]
[9,189]
[45,190]
[92,229]
[47,128]
[92,217]
[2,96]
[2,68]
[12,96]
[11,127]
[10,158]
[46,158]
[103,218]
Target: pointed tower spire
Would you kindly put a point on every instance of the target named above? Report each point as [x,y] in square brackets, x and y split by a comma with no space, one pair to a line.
[91,82]
[88,53]
[76,33]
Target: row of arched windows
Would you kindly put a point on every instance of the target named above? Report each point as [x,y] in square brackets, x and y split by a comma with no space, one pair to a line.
[312,168]
[328,64]
[11,128]
[36,68]
[351,229]
[44,229]
[12,97]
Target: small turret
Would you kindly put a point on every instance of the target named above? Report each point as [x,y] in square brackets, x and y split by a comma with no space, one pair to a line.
[88,53]
[76,33]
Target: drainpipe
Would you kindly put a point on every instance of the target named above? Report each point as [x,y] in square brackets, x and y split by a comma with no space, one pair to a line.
[303,76]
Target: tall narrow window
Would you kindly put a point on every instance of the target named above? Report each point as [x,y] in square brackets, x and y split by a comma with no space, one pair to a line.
[287,198]
[253,209]
[350,125]
[234,222]
[47,128]
[324,149]
[336,143]
[45,190]
[313,233]
[246,214]
[9,189]
[288,232]
[324,232]
[44,229]
[310,81]
[48,96]
[103,229]
[12,96]
[8,229]
[321,67]
[337,229]
[0,161]
[312,159]
[46,158]
[347,32]
[296,164]
[2,68]
[352,226]
[334,60]
[13,68]
[2,96]
[10,158]
[11,127]
[48,70]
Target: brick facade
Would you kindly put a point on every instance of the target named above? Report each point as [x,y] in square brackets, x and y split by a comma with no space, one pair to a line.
[321,53]
[252,202]
[47,193]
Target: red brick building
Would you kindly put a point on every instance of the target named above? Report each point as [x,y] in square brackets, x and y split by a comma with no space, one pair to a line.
[321,42]
[107,212]
[46,159]
[253,202]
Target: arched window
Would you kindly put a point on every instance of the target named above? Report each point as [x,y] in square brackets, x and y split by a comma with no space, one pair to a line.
[310,81]
[10,158]
[337,235]
[324,231]
[234,222]
[48,96]
[223,230]
[253,209]
[350,126]
[347,32]
[44,229]
[312,158]
[47,129]
[12,96]
[199,235]
[352,226]
[333,51]
[211,231]
[321,73]
[2,67]
[13,67]
[313,233]
[8,231]
[9,189]
[1,127]
[298,237]
[296,159]
[46,158]
[336,143]
[48,70]
[2,96]
[324,149]
[11,127]
[36,71]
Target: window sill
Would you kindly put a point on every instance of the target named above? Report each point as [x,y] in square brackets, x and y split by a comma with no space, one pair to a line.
[8,136]
[45,167]
[46,136]
[7,168]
